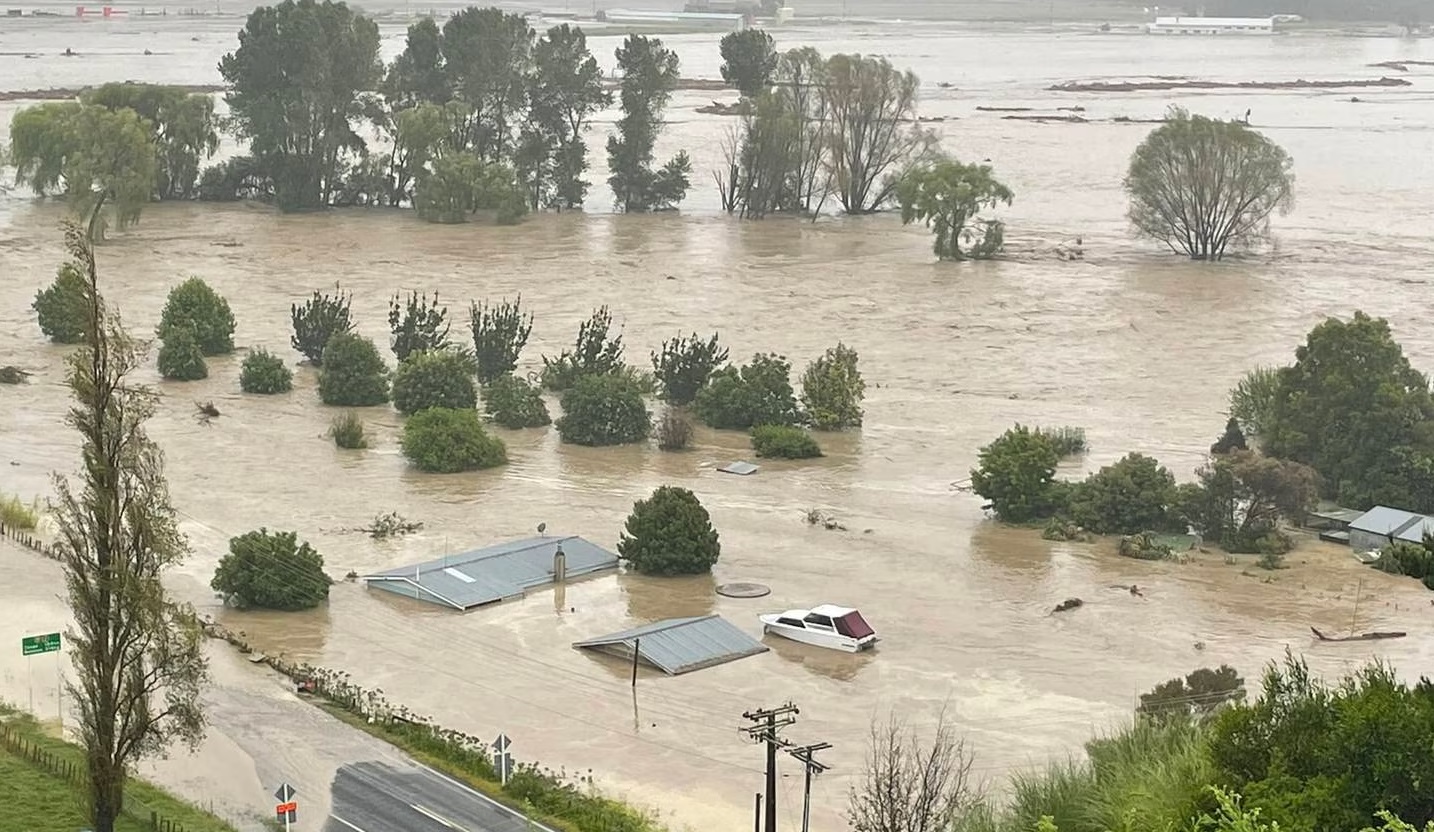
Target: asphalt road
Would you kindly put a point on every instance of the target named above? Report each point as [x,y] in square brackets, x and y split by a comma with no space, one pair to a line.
[384,797]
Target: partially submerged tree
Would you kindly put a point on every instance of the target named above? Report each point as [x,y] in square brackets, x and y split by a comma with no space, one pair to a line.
[784,442]
[499,334]
[684,364]
[872,129]
[1135,494]
[195,306]
[61,308]
[265,373]
[444,441]
[418,324]
[515,404]
[353,373]
[757,393]
[434,379]
[1242,496]
[911,784]
[1233,439]
[320,318]
[595,353]
[180,358]
[565,91]
[749,61]
[272,571]
[948,196]
[137,654]
[1199,695]
[296,93]
[183,129]
[649,75]
[1200,185]
[833,389]
[669,533]
[604,410]
[1016,475]
[1252,400]
[93,156]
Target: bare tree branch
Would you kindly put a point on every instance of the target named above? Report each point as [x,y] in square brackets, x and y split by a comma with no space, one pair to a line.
[911,785]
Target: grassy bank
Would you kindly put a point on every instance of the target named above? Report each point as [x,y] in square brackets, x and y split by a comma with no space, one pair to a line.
[44,778]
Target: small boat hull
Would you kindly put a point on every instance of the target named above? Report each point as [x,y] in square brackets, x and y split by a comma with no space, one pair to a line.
[831,641]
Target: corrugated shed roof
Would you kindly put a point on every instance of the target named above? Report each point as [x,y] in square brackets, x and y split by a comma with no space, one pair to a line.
[1385,520]
[1414,532]
[680,645]
[493,573]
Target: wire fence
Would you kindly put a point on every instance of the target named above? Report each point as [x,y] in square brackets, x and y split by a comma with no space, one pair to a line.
[72,772]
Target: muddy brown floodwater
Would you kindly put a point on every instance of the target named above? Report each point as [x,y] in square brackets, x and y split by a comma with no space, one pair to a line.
[1135,346]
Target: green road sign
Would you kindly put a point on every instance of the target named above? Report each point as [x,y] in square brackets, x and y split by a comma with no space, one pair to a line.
[47,643]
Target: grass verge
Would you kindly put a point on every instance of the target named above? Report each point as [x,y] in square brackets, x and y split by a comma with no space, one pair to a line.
[44,777]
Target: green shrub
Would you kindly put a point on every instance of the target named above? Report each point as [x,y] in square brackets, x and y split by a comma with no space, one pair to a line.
[784,442]
[515,404]
[684,365]
[833,389]
[1252,400]
[180,357]
[347,431]
[674,430]
[193,305]
[272,571]
[670,533]
[15,514]
[319,319]
[499,334]
[352,374]
[593,354]
[61,307]
[418,325]
[444,441]
[740,398]
[1016,475]
[1068,441]
[1130,496]
[604,410]
[265,373]
[434,379]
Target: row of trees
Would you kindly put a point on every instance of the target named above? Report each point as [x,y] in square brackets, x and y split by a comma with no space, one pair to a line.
[1305,756]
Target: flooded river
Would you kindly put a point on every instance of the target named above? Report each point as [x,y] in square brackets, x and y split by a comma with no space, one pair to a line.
[1135,346]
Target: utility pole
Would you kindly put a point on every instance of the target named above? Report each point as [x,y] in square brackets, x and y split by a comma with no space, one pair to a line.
[764,728]
[804,755]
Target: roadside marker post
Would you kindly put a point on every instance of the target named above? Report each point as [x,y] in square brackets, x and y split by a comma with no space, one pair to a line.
[32,646]
[287,810]
[501,760]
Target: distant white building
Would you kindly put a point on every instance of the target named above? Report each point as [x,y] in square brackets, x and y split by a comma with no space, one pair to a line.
[1212,26]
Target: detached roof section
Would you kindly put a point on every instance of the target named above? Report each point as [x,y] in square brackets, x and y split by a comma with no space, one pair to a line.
[680,645]
[494,573]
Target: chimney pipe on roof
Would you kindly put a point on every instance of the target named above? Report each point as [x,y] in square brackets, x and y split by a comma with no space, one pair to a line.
[560,565]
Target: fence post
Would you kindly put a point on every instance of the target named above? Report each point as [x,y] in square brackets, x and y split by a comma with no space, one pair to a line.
[154,820]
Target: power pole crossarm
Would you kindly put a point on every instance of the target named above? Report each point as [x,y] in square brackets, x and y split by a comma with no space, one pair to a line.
[766,723]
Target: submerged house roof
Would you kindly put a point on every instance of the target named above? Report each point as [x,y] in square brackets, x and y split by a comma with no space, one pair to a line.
[680,645]
[493,573]
[1386,521]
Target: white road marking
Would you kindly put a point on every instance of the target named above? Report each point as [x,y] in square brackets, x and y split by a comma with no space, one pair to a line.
[483,797]
[433,815]
[346,823]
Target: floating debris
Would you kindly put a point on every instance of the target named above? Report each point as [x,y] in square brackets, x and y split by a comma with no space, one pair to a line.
[1068,604]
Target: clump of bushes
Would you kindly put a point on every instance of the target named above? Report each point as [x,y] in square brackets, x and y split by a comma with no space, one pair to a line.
[15,514]
[499,334]
[1144,546]
[320,318]
[1016,476]
[441,440]
[674,430]
[758,393]
[195,306]
[180,358]
[265,373]
[352,374]
[1067,440]
[420,325]
[1060,529]
[1410,559]
[515,404]
[683,366]
[442,378]
[784,442]
[61,307]
[1133,495]
[833,389]
[272,571]
[604,410]
[669,533]
[347,431]
[595,353]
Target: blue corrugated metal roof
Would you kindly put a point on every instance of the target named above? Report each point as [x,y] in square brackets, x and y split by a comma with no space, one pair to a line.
[1414,532]
[494,573]
[1386,521]
[681,645]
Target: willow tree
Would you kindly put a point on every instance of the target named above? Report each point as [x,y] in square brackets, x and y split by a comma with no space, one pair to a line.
[871,129]
[136,653]
[1201,185]
[948,195]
